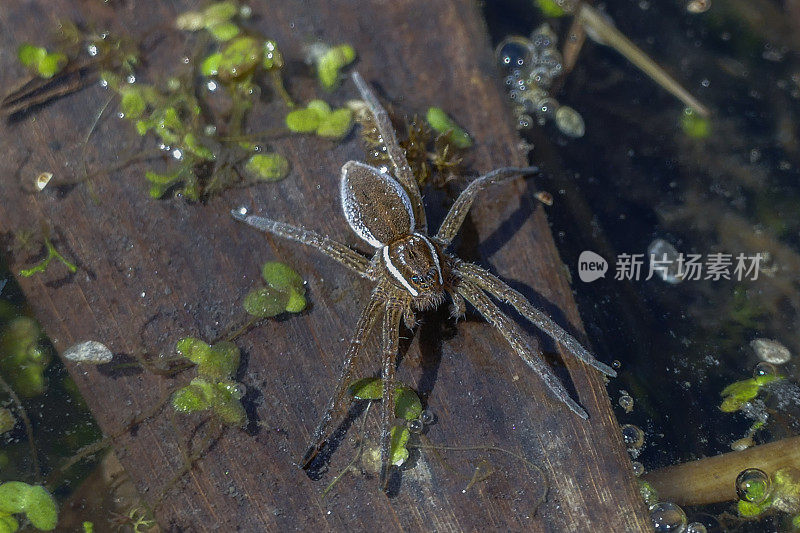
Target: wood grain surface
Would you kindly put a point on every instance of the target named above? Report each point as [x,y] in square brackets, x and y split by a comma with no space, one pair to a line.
[155,271]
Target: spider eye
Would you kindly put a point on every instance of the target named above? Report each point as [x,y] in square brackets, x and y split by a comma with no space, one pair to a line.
[416,279]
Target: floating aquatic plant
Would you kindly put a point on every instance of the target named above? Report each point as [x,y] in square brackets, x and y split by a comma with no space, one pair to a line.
[42,265]
[216,18]
[43,63]
[318,117]
[24,359]
[329,62]
[284,292]
[407,404]
[33,501]
[737,394]
[214,388]
[398,453]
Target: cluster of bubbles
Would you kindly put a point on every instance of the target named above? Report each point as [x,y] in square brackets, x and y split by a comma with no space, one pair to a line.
[669,517]
[530,66]
[426,418]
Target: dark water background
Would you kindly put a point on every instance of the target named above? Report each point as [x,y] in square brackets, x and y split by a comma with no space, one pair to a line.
[636,176]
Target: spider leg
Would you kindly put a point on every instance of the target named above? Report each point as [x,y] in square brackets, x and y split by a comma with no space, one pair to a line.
[390,344]
[368,318]
[515,338]
[497,288]
[335,250]
[458,212]
[397,156]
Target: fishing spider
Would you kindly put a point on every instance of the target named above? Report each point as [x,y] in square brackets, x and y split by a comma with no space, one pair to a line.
[413,272]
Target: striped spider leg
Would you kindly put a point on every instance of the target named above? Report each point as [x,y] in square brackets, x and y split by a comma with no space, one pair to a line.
[412,272]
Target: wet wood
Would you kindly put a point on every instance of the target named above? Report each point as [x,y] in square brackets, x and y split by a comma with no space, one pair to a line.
[154,271]
[713,479]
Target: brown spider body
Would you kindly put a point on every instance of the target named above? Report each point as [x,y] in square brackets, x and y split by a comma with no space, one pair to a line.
[412,271]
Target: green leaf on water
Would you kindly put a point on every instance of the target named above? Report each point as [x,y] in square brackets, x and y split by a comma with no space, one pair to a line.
[367,389]
[442,124]
[224,31]
[303,120]
[407,404]
[398,453]
[331,63]
[267,167]
[266,302]
[336,124]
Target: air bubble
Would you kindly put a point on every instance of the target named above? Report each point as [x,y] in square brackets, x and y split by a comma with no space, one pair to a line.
[633,436]
[764,369]
[668,517]
[427,417]
[513,52]
[415,426]
[753,485]
[626,402]
[696,527]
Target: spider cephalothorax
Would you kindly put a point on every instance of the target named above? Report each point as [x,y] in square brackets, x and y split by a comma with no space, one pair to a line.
[412,271]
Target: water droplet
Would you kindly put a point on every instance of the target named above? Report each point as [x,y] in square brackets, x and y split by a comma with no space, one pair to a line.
[242,210]
[668,517]
[764,369]
[427,417]
[210,130]
[633,436]
[245,11]
[753,485]
[696,527]
[638,468]
[131,79]
[626,402]
[771,351]
[92,50]
[177,154]
[513,52]
[91,352]
[42,180]
[211,85]
[415,426]
[570,122]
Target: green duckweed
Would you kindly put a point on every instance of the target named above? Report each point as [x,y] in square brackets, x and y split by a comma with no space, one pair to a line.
[331,62]
[407,404]
[318,117]
[45,64]
[219,361]
[398,453]
[267,167]
[695,126]
[735,395]
[33,501]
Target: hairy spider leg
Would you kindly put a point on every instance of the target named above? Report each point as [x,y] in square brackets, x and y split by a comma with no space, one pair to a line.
[333,249]
[500,290]
[458,211]
[397,156]
[516,339]
[390,335]
[366,321]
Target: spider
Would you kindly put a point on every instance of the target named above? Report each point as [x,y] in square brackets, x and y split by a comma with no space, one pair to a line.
[412,271]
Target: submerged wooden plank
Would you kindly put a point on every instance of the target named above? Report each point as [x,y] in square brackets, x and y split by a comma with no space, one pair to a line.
[154,271]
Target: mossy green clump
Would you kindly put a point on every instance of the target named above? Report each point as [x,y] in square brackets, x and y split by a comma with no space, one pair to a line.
[735,395]
[442,124]
[398,453]
[407,404]
[33,501]
[219,361]
[331,62]
[7,420]
[695,126]
[43,63]
[8,524]
[285,292]
[267,167]
[214,388]
[319,118]
[223,397]
[648,493]
[24,358]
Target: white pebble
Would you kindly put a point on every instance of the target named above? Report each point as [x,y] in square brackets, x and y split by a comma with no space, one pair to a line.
[91,352]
